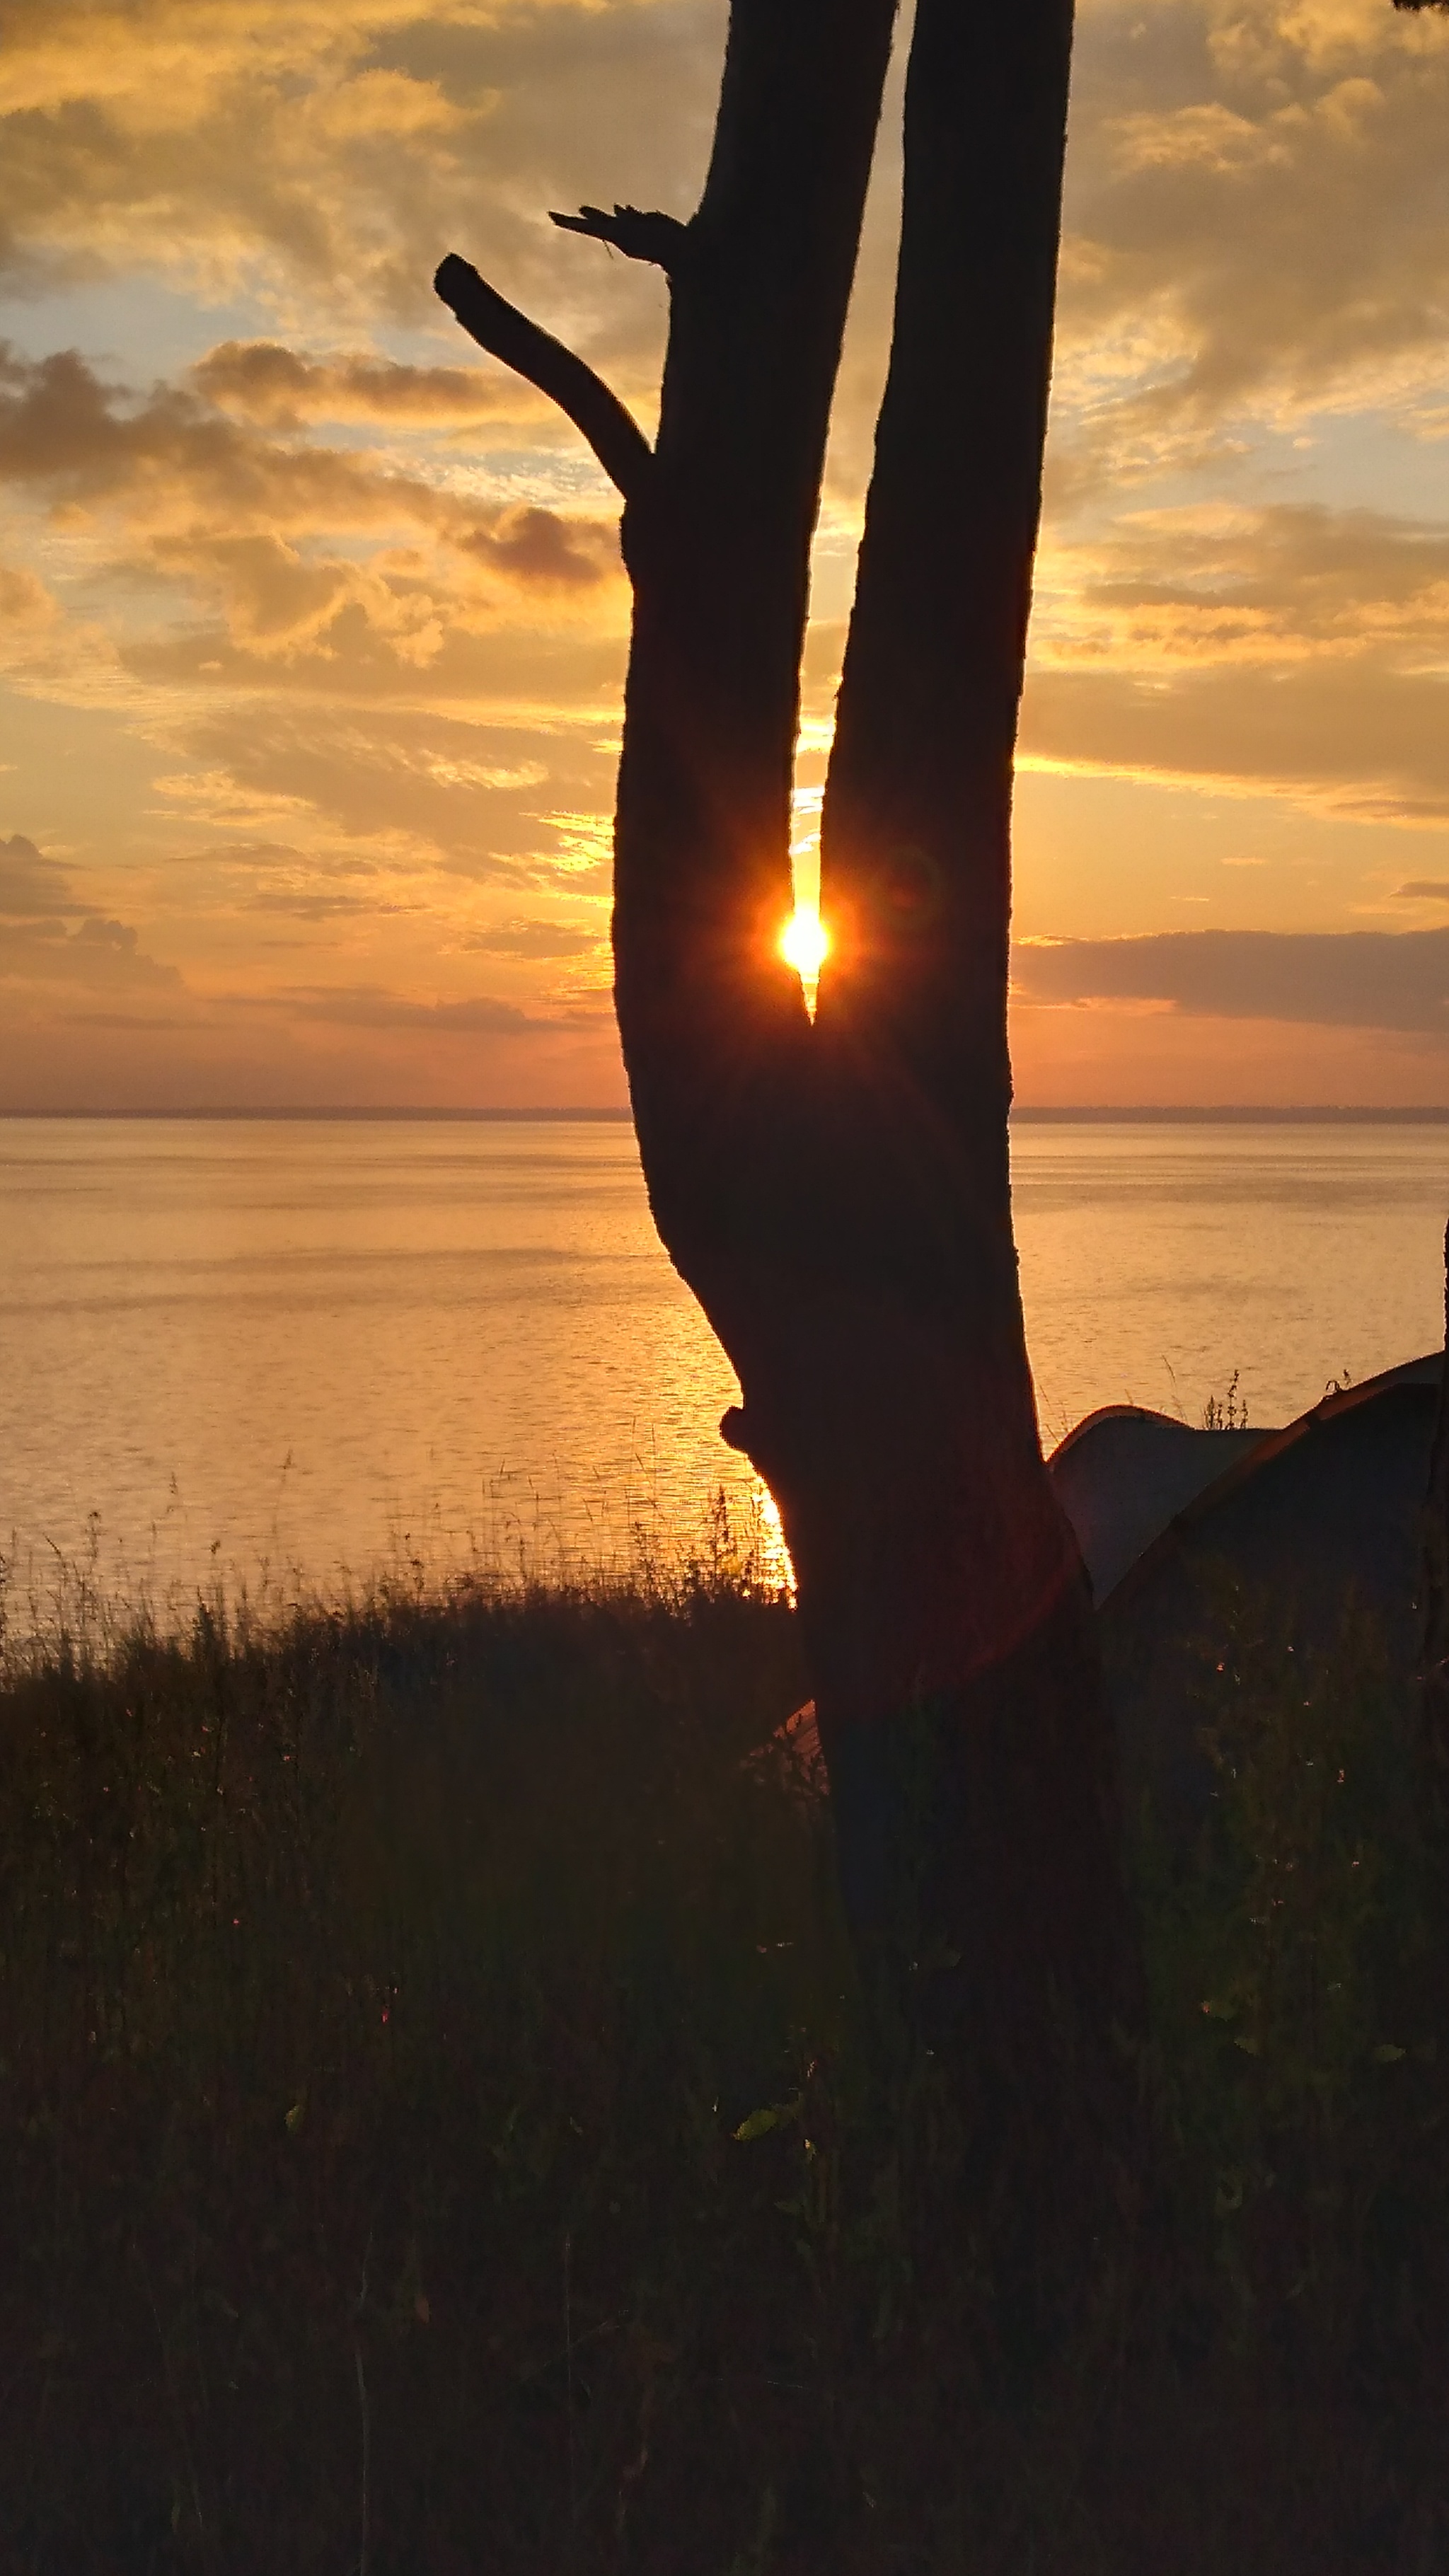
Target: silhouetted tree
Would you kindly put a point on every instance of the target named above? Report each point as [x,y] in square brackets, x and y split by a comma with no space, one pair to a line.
[837,1195]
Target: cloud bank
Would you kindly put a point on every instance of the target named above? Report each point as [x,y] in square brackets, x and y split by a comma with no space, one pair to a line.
[1365,979]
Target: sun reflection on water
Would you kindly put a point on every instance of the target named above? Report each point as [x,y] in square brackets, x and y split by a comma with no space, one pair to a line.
[775,1564]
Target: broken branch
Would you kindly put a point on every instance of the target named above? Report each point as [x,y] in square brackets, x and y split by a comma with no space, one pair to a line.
[612,432]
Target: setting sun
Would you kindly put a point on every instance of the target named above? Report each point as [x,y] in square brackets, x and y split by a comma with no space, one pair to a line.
[805,945]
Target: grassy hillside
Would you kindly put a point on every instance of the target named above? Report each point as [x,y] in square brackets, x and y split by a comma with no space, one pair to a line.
[442,2134]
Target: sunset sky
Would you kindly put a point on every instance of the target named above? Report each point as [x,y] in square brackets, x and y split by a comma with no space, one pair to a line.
[313,628]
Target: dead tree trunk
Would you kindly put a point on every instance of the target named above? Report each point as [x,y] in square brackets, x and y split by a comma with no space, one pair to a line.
[838,1195]
[984,1609]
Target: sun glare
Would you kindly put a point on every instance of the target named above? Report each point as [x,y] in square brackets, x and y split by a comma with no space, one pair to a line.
[805,945]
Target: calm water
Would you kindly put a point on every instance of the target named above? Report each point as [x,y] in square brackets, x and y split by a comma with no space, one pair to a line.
[314,1347]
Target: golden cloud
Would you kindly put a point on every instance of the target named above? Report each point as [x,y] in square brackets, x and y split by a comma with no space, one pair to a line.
[166,56]
[98,953]
[543,939]
[32,886]
[1283,648]
[1352,742]
[295,551]
[279,388]
[1374,979]
[250,145]
[445,788]
[374,1006]
[1266,234]
[1227,582]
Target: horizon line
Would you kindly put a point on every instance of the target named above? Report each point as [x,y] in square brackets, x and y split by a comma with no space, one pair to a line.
[1140,1113]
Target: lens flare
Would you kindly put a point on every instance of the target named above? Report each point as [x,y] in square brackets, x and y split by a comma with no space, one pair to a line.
[805,945]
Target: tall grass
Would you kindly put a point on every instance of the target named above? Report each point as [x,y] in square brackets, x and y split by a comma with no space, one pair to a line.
[443,2133]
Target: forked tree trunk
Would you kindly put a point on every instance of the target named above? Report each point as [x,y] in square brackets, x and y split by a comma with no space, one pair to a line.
[838,1195]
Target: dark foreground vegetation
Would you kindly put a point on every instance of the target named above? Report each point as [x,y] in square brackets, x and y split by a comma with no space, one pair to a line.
[443,2133]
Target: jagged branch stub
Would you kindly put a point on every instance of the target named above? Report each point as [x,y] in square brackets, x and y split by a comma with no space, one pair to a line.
[659,239]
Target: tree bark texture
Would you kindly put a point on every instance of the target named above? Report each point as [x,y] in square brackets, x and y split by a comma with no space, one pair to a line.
[838,1195]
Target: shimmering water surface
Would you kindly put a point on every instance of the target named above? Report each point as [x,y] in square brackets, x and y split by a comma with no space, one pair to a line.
[319,1346]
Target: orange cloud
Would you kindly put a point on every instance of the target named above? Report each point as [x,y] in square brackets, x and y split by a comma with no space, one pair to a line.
[1366,979]
[278,388]
[299,550]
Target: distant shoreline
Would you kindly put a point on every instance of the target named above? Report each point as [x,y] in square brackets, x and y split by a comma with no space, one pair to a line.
[1139,1116]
